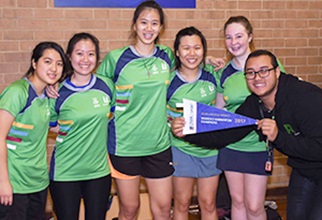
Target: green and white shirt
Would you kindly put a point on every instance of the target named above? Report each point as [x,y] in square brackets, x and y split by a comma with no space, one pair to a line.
[26,140]
[202,90]
[139,127]
[81,145]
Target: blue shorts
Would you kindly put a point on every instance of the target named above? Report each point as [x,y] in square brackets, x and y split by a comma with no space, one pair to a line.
[186,165]
[243,162]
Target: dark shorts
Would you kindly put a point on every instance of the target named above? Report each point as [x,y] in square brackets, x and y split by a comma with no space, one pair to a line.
[25,206]
[243,162]
[153,166]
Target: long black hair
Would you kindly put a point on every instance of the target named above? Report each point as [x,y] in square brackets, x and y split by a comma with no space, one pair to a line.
[38,52]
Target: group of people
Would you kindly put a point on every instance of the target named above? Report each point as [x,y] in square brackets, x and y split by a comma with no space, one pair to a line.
[115,124]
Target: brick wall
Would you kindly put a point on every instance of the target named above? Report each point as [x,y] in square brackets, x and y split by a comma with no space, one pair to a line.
[292,29]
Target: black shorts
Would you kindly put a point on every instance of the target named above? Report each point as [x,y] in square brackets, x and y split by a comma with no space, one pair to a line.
[26,206]
[153,166]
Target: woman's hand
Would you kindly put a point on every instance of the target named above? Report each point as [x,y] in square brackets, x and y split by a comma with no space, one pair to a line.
[218,63]
[177,127]
[6,196]
[52,91]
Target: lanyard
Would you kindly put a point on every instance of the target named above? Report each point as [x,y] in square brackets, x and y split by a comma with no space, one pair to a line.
[269,147]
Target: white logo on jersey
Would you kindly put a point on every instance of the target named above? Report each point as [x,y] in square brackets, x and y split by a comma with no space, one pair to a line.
[106,100]
[164,66]
[154,69]
[96,103]
[211,88]
[203,92]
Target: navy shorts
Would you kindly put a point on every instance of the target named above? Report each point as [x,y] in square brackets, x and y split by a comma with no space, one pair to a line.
[186,165]
[153,166]
[243,162]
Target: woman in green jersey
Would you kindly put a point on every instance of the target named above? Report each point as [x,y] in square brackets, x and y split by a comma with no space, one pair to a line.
[79,166]
[24,123]
[139,141]
[195,81]
[243,162]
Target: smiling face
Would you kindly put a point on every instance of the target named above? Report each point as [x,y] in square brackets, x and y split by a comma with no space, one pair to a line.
[264,88]
[190,53]
[83,57]
[237,40]
[147,27]
[47,70]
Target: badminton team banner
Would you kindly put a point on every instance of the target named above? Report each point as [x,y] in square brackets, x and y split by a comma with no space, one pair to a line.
[202,118]
[123,3]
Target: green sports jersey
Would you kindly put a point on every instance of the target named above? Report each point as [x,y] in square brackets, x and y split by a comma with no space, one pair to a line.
[202,90]
[139,127]
[81,145]
[26,140]
[234,88]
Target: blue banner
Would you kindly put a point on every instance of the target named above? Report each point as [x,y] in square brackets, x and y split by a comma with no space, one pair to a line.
[202,118]
[123,3]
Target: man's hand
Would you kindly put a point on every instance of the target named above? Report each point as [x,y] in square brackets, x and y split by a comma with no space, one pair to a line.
[269,128]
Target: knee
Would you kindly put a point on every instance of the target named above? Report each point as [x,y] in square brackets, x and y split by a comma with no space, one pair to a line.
[161,210]
[129,211]
[182,205]
[207,205]
[238,202]
[255,209]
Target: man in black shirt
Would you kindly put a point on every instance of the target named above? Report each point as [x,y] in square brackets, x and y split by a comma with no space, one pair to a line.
[289,113]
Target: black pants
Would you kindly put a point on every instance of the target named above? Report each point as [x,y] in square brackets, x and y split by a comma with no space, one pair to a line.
[25,207]
[304,200]
[67,195]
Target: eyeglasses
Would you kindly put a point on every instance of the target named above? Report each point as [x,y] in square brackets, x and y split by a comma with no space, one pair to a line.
[263,73]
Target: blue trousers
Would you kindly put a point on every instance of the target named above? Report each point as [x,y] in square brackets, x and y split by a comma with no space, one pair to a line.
[304,200]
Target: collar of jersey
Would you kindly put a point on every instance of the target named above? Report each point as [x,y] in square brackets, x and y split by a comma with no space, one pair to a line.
[183,80]
[86,87]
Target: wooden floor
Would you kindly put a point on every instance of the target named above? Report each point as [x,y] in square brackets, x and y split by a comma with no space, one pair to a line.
[280,201]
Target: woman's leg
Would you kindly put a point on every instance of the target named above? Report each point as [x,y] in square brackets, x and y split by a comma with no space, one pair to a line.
[182,192]
[66,199]
[160,192]
[236,189]
[255,191]
[129,198]
[207,191]
[96,194]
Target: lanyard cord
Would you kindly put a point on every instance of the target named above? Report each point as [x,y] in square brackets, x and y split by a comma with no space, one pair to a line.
[269,147]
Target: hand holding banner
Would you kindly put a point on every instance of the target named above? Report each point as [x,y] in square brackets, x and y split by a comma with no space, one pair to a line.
[202,118]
